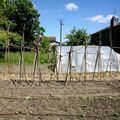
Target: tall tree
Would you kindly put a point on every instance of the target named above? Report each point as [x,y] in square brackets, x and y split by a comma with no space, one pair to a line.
[5,24]
[77,37]
[3,6]
[25,18]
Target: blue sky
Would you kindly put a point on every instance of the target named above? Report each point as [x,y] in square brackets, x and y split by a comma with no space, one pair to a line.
[91,15]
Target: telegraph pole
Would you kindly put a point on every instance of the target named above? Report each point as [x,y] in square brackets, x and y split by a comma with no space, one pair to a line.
[59,69]
[61,27]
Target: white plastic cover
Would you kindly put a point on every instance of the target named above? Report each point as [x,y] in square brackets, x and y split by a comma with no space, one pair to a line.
[95,58]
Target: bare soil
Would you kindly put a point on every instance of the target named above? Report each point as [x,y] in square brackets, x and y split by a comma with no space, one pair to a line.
[52,100]
[13,72]
[97,100]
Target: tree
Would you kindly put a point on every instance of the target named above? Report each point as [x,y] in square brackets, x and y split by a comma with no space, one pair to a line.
[45,44]
[2,17]
[77,37]
[10,37]
[5,35]
[24,18]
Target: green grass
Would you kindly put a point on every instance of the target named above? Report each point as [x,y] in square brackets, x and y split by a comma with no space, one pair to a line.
[28,58]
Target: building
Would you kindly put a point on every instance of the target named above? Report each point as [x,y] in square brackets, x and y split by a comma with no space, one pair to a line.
[53,41]
[109,36]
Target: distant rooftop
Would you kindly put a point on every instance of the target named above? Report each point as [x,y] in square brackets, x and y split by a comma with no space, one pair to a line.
[113,23]
[51,38]
[106,28]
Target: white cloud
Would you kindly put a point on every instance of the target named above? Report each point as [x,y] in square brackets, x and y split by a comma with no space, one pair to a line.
[71,6]
[100,18]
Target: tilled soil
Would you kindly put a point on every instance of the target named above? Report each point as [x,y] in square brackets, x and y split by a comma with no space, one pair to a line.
[51,100]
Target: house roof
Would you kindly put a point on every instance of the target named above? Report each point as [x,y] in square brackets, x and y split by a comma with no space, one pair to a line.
[51,38]
[105,28]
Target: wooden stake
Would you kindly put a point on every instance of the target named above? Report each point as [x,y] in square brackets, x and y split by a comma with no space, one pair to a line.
[98,52]
[85,75]
[37,63]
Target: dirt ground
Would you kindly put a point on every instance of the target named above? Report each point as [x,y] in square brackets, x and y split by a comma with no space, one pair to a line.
[13,72]
[52,100]
[98,100]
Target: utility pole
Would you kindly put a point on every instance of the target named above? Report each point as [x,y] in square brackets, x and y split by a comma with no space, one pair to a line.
[61,27]
[59,69]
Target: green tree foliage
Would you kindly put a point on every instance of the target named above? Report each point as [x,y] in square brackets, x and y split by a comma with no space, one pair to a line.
[77,37]
[26,18]
[10,37]
[4,21]
[45,44]
[22,17]
[2,17]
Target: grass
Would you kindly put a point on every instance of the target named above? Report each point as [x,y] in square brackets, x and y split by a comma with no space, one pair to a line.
[29,57]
